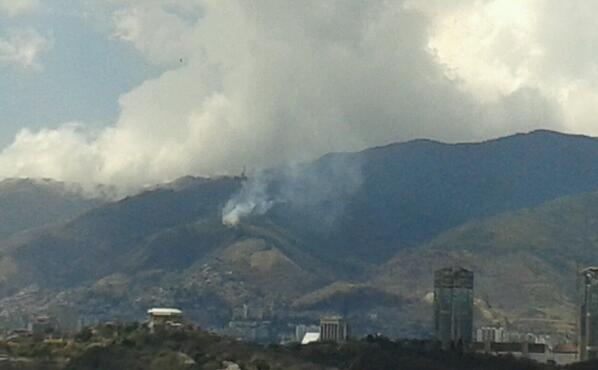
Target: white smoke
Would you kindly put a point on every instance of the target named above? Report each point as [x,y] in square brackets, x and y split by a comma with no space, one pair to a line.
[260,83]
[319,191]
[252,199]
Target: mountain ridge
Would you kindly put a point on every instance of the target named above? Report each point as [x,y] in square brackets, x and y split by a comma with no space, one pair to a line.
[342,218]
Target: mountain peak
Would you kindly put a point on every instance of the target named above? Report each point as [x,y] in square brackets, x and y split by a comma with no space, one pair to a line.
[544,134]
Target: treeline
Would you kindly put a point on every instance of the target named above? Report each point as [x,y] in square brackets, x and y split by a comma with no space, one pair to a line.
[133,347]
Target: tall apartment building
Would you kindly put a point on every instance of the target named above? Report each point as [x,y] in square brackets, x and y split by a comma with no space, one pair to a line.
[334,329]
[453,306]
[588,314]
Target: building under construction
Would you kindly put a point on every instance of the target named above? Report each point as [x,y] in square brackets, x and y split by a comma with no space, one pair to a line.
[453,306]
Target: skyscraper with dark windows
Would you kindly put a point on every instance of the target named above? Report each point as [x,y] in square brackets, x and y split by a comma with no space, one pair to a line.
[588,314]
[453,306]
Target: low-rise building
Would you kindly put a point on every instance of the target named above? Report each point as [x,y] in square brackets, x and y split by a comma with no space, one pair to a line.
[310,337]
[565,354]
[164,317]
[534,351]
[334,329]
[561,354]
[42,325]
[302,329]
[252,330]
[491,334]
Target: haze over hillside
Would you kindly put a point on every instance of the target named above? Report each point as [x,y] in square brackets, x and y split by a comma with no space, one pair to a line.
[27,204]
[409,193]
[356,233]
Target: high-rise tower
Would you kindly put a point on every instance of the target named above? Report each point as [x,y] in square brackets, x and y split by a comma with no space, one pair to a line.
[588,314]
[453,306]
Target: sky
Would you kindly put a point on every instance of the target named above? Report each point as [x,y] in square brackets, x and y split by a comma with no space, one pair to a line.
[138,92]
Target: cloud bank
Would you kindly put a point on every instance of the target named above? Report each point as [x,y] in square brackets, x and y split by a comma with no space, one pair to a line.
[260,83]
[22,48]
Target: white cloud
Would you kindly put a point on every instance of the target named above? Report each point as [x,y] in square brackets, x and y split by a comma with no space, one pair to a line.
[13,8]
[154,30]
[23,48]
[492,48]
[264,82]
[58,153]
[489,46]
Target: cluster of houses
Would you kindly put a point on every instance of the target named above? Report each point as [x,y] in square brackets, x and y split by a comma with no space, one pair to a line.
[493,340]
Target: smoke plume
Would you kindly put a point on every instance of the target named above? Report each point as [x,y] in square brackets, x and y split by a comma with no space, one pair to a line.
[318,191]
[252,199]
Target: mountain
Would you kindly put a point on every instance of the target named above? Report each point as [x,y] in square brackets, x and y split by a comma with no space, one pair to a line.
[96,243]
[164,245]
[357,233]
[411,192]
[525,261]
[27,204]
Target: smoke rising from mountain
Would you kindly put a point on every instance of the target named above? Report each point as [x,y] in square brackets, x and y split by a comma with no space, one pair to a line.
[318,191]
[261,83]
[252,199]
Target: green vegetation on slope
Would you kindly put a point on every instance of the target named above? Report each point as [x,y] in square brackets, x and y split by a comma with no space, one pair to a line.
[524,262]
[27,204]
[341,218]
[132,347]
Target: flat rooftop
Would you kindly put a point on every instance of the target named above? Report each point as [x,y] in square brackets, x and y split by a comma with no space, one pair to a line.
[165,312]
